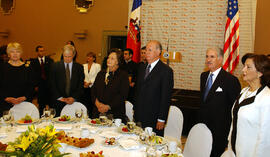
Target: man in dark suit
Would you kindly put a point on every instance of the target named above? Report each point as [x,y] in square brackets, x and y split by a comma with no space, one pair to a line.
[41,67]
[131,68]
[219,90]
[66,80]
[153,90]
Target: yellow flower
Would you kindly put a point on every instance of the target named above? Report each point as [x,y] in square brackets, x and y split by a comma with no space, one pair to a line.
[25,142]
[10,148]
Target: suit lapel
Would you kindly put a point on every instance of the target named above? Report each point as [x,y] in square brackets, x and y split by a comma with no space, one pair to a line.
[216,84]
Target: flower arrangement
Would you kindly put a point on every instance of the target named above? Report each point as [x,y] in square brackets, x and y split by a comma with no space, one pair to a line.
[40,142]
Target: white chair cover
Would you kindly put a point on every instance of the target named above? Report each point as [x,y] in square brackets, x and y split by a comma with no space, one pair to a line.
[70,110]
[129,110]
[228,153]
[19,111]
[199,142]
[174,126]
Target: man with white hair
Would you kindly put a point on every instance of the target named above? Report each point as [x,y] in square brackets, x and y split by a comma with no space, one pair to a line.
[219,90]
[66,80]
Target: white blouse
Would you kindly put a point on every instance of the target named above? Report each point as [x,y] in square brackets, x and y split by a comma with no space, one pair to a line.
[253,125]
[90,75]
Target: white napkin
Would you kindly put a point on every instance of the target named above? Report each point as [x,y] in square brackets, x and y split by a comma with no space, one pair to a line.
[92,129]
[110,134]
[129,144]
[21,129]
[62,127]
[3,135]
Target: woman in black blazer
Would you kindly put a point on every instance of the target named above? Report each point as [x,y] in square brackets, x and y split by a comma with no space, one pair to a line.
[110,89]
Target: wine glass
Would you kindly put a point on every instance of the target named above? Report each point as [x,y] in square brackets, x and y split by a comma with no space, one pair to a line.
[79,113]
[52,114]
[6,116]
[46,112]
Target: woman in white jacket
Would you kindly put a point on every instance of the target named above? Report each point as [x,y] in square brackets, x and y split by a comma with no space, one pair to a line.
[249,135]
[91,69]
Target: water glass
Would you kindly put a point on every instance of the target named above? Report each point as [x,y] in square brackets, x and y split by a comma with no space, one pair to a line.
[46,113]
[79,113]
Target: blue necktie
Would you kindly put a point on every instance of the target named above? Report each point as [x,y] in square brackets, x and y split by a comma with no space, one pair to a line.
[208,86]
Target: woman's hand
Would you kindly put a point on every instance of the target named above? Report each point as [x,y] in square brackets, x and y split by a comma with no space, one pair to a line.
[86,85]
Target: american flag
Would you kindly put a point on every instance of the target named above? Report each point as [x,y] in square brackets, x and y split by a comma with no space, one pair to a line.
[231,45]
[134,37]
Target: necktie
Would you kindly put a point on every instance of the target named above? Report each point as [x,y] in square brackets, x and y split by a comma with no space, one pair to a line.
[147,71]
[208,86]
[67,80]
[43,75]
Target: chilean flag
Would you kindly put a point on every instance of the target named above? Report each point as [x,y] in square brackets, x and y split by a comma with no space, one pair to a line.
[134,37]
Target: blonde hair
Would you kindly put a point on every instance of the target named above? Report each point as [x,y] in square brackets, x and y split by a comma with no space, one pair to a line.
[14,46]
[69,48]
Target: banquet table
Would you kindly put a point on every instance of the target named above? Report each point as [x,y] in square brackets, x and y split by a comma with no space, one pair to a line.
[98,133]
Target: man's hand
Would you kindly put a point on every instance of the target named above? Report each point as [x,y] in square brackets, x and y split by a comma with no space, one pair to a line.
[160,125]
[70,100]
[15,101]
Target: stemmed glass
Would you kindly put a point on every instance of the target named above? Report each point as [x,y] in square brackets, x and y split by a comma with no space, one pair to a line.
[79,114]
[8,117]
[52,113]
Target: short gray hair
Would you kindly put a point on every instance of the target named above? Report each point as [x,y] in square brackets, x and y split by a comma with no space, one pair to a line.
[219,51]
[69,48]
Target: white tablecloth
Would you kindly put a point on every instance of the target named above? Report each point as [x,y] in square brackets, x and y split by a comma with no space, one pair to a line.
[95,133]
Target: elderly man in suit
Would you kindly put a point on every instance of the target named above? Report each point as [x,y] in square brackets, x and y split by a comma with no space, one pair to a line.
[153,90]
[219,90]
[66,80]
[41,67]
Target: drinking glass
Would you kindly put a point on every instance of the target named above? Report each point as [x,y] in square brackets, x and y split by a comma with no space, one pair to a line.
[6,116]
[79,114]
[46,113]
[52,112]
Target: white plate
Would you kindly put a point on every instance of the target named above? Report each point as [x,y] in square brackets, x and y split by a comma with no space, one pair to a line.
[21,123]
[64,122]
[107,123]
[154,143]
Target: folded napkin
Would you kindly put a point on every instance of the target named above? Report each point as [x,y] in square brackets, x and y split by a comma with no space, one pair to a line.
[110,134]
[62,127]
[91,129]
[21,129]
[129,144]
[3,135]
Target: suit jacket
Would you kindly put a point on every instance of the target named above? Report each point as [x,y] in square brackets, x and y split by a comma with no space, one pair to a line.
[252,136]
[153,95]
[58,81]
[37,69]
[215,111]
[90,76]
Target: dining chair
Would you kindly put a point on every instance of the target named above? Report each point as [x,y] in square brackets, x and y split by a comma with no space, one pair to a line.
[174,126]
[199,142]
[129,110]
[228,153]
[70,110]
[19,111]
